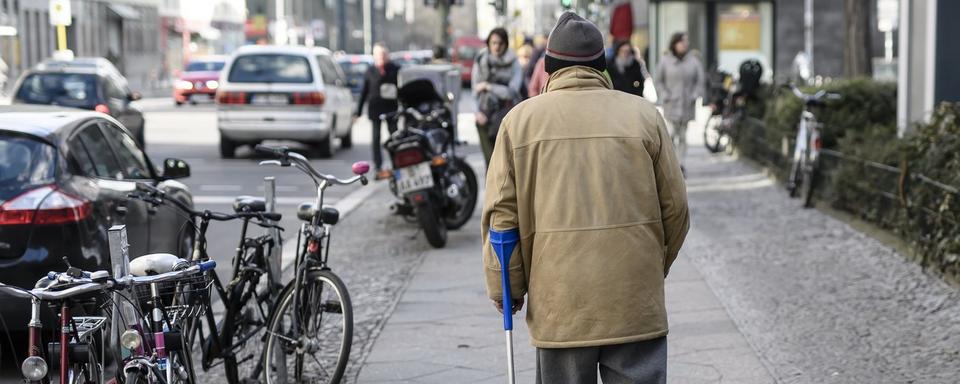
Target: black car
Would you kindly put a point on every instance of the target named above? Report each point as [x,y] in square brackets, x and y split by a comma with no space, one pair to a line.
[87,83]
[65,177]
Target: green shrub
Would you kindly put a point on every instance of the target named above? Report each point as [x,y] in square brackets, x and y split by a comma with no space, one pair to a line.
[908,185]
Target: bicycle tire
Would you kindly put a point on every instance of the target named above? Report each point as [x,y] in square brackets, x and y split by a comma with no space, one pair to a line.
[795,178]
[711,135]
[279,332]
[808,184]
[134,377]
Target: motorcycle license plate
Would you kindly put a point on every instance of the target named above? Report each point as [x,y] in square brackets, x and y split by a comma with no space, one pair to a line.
[414,178]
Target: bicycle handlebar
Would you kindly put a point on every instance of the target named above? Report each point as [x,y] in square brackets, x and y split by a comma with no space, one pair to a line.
[87,284]
[156,196]
[821,94]
[286,157]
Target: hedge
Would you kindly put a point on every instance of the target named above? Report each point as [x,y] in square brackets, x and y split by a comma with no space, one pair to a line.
[907,186]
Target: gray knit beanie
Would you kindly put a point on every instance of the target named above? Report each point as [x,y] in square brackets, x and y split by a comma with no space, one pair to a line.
[574,41]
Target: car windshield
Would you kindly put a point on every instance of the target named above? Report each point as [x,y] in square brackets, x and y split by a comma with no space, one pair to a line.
[24,164]
[204,66]
[270,68]
[67,89]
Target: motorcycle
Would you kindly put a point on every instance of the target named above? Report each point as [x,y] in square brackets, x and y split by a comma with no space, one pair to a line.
[436,187]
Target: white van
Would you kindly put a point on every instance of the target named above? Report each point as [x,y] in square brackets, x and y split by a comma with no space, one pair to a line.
[283,93]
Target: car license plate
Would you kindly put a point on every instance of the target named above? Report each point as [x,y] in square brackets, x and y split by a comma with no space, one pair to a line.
[200,97]
[414,178]
[269,99]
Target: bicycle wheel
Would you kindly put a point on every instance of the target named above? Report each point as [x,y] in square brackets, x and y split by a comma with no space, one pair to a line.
[310,342]
[713,134]
[807,183]
[241,328]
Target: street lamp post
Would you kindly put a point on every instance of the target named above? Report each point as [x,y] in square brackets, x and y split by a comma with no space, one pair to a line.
[808,32]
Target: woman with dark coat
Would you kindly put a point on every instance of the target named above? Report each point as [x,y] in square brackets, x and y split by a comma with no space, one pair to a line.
[626,70]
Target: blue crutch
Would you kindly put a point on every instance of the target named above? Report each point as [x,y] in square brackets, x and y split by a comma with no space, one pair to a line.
[503,243]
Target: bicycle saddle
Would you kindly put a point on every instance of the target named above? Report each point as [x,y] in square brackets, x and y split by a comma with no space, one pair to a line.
[155,264]
[249,204]
[328,215]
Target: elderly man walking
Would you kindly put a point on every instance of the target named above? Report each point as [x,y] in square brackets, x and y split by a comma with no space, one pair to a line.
[588,177]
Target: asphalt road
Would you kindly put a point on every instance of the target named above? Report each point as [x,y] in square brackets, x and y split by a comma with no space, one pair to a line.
[374,252]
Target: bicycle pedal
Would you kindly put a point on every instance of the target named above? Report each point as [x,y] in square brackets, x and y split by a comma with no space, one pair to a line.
[333,306]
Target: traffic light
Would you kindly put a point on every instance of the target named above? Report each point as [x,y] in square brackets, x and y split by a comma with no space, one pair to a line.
[566,4]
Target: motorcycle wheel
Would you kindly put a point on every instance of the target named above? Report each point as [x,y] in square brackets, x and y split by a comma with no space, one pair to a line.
[460,215]
[431,222]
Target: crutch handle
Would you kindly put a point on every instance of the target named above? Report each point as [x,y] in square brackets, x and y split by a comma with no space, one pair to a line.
[503,243]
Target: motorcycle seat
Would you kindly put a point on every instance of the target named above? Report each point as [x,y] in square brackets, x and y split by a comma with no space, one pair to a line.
[328,215]
[249,204]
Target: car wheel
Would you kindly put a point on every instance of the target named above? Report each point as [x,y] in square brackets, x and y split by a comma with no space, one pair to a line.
[178,102]
[227,148]
[347,140]
[324,148]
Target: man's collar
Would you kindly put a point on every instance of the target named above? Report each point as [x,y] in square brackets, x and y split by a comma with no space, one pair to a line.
[577,77]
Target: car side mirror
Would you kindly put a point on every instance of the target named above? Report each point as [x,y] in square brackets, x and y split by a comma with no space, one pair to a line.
[134,96]
[175,169]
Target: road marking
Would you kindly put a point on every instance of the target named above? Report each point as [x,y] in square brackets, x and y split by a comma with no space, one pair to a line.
[345,205]
[221,188]
[230,199]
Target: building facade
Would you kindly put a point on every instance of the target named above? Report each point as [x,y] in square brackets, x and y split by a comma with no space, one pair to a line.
[125,32]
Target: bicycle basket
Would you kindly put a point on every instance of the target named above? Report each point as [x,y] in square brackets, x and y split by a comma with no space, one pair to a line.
[179,299]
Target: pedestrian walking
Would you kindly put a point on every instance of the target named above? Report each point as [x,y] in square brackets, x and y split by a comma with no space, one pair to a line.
[380,90]
[626,70]
[680,81]
[538,79]
[584,176]
[496,79]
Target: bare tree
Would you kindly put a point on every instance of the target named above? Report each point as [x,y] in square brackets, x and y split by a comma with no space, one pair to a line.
[857,52]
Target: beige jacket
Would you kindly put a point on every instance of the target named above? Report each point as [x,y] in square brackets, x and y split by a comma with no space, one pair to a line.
[589,176]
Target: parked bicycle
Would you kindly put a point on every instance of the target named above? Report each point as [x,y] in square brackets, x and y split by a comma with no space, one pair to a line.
[311,328]
[234,339]
[81,344]
[806,150]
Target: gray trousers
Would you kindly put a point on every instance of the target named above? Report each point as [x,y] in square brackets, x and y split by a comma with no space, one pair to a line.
[643,362]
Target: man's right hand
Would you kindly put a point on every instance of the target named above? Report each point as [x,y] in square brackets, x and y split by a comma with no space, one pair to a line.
[517,305]
[481,118]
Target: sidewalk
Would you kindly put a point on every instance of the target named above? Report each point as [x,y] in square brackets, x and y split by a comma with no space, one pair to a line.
[445,330]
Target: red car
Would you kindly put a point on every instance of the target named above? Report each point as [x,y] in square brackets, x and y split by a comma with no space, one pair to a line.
[199,80]
[465,50]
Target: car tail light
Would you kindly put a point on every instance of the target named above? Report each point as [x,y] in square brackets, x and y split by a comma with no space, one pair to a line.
[308,98]
[44,205]
[102,108]
[408,157]
[231,97]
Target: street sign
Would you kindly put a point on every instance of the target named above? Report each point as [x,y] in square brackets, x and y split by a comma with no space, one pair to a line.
[60,12]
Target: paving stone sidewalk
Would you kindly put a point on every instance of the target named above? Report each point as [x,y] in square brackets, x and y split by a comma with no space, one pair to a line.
[445,330]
